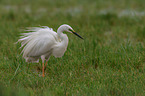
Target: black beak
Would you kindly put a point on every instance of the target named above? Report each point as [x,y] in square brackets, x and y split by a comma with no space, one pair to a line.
[77,35]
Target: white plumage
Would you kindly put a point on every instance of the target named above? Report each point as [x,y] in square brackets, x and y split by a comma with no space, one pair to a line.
[44,42]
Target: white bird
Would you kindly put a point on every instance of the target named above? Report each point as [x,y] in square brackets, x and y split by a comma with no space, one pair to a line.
[42,42]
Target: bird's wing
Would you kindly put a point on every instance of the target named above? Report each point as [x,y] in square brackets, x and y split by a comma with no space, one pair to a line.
[38,41]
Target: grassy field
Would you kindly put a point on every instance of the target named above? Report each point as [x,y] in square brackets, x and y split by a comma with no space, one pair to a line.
[109,61]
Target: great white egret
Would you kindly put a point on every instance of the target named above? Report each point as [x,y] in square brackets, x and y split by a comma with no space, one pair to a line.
[42,42]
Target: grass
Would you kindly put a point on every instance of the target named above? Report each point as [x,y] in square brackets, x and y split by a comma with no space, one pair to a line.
[110,61]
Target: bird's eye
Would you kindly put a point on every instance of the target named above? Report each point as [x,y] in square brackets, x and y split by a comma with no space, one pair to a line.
[70,30]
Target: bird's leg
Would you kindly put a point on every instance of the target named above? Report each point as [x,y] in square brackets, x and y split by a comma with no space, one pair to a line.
[46,62]
[45,65]
[43,69]
[43,59]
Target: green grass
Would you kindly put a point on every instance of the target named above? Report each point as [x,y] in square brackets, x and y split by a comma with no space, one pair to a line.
[109,61]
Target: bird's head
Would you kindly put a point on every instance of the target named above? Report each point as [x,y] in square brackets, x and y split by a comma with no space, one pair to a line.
[68,28]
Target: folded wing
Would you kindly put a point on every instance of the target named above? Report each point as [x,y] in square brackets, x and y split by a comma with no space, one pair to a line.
[38,41]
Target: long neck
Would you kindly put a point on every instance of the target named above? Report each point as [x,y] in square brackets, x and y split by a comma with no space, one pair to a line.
[60,30]
[62,36]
